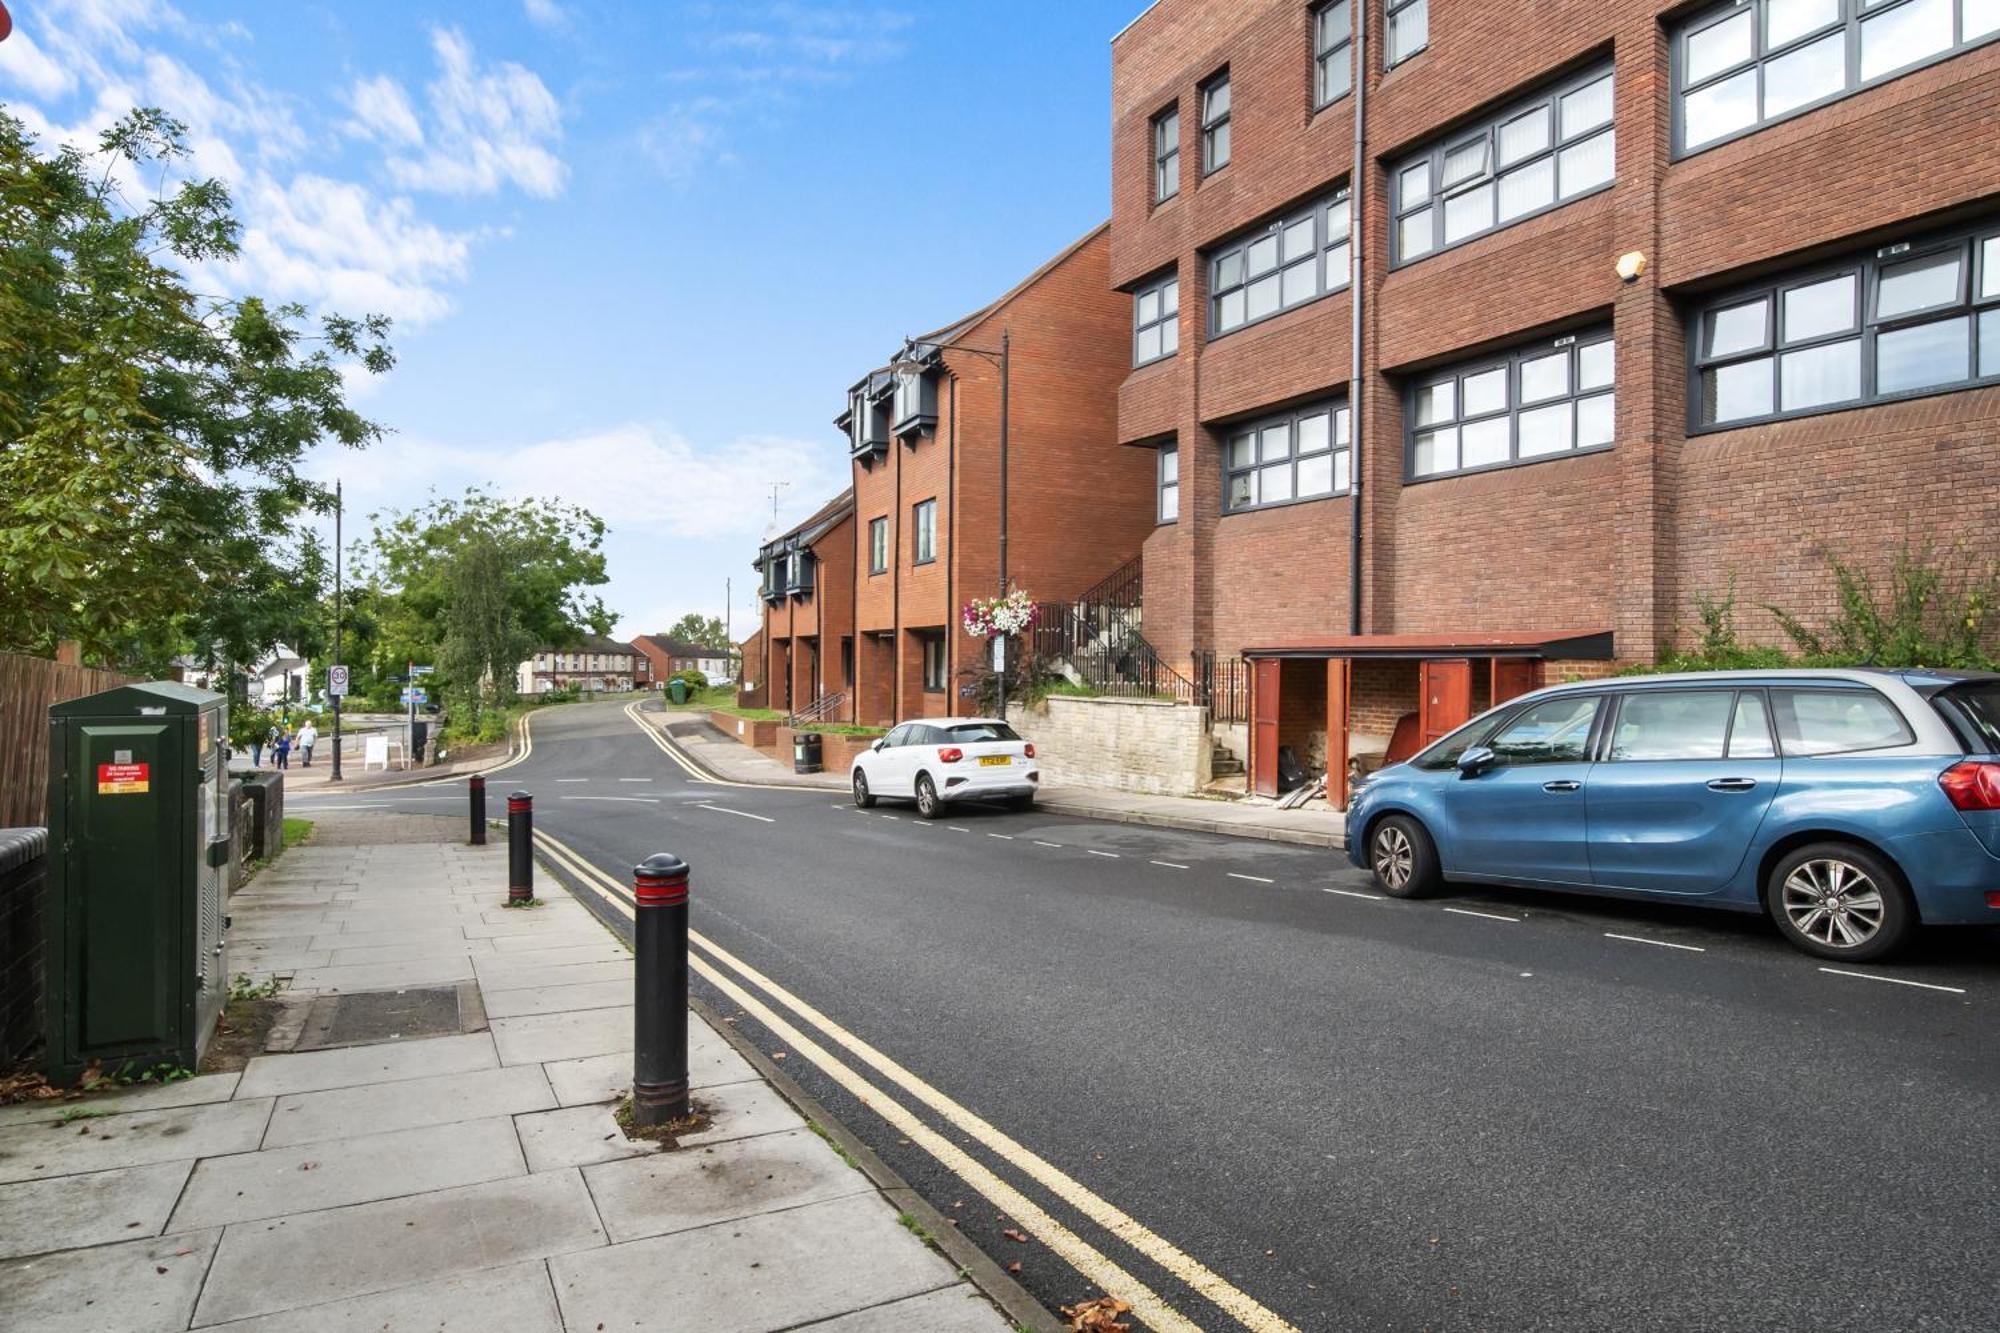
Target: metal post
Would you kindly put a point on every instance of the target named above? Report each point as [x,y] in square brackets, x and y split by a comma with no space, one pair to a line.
[659,1012]
[475,790]
[1004,356]
[336,628]
[520,847]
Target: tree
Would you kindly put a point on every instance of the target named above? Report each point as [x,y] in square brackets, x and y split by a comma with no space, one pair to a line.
[475,584]
[703,631]
[150,437]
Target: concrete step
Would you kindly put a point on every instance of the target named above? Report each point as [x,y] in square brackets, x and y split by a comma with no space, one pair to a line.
[1234,785]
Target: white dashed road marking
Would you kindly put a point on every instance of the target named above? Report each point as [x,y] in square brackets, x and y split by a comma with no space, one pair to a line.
[1663,944]
[1894,981]
[1171,865]
[1254,879]
[1356,893]
[741,814]
[1039,843]
[1004,837]
[1094,852]
[1490,916]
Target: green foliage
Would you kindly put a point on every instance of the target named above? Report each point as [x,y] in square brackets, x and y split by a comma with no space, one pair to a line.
[241,987]
[150,499]
[696,681]
[707,631]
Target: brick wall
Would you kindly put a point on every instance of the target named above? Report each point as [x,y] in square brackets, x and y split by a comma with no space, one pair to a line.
[1126,744]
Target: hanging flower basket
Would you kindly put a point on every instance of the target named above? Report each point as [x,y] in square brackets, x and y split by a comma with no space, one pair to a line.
[997,617]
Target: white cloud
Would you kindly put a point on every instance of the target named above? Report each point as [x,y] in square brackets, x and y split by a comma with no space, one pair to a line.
[333,243]
[490,126]
[545,13]
[26,65]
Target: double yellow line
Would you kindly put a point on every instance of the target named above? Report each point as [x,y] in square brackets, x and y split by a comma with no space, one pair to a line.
[736,979]
[686,764]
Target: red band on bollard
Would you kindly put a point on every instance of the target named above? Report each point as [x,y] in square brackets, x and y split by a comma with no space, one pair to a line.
[517,805]
[660,892]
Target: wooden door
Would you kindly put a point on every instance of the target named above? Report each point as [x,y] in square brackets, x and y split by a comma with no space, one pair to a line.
[1339,680]
[1514,677]
[1264,727]
[1446,696]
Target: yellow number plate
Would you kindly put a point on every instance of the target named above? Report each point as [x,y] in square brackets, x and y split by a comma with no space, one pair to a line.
[994,761]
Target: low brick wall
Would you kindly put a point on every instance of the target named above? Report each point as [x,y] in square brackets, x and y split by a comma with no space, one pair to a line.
[24,893]
[267,815]
[836,752]
[1138,745]
[762,735]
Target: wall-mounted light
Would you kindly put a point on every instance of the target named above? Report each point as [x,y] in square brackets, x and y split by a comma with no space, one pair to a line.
[1630,265]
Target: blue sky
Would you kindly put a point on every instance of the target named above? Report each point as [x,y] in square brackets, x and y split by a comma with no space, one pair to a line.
[636,251]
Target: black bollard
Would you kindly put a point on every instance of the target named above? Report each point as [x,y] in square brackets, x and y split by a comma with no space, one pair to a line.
[659,1013]
[475,791]
[520,847]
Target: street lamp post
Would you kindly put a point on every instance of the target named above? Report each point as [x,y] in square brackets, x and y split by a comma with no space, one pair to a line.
[908,363]
[337,698]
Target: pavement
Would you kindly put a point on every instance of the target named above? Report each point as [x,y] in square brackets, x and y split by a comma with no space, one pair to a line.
[1226,1081]
[462,1169]
[1311,826]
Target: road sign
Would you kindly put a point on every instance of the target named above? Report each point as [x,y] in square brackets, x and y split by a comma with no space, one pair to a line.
[336,680]
[421,670]
[415,696]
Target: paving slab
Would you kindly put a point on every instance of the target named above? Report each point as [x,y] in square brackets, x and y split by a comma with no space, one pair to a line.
[557,999]
[499,974]
[73,1211]
[104,1143]
[388,1062]
[556,935]
[748,1276]
[651,1195]
[371,1247]
[141,1286]
[605,950]
[407,953]
[148,1097]
[517,1299]
[386,976]
[305,1177]
[605,1078]
[444,1099]
[957,1309]
[576,1136]
[443,938]
[741,1110]
[533,1038]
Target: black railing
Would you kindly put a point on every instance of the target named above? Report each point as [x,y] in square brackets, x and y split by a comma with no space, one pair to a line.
[1097,640]
[1223,685]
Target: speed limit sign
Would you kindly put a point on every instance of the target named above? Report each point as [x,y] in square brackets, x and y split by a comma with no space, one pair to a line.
[336,680]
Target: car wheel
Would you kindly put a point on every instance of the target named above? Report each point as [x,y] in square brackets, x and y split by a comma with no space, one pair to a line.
[928,805]
[1403,858]
[862,796]
[1836,900]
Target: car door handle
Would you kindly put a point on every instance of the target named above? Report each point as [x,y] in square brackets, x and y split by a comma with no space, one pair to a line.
[1732,784]
[1563,784]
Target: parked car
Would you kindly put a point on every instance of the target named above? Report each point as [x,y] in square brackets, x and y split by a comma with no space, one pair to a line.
[1848,806]
[941,760]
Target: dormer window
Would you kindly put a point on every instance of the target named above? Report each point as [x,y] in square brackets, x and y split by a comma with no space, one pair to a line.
[799,576]
[867,422]
[915,402]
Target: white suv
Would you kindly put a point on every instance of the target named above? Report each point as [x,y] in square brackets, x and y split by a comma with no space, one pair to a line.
[948,759]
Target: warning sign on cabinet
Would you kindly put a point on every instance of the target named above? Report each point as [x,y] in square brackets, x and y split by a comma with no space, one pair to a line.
[123,779]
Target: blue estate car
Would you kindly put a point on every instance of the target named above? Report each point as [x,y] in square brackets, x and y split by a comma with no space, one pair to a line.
[1848,806]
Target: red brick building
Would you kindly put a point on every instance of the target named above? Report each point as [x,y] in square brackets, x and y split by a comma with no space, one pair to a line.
[1651,298]
[923,536]
[662,655]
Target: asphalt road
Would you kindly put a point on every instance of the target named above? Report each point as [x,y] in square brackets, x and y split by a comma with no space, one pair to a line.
[1274,1099]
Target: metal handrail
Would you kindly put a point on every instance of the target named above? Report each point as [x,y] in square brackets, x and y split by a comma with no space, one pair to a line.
[819,710]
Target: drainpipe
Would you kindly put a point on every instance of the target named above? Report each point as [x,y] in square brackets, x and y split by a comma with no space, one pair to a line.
[1356,230]
[951,534]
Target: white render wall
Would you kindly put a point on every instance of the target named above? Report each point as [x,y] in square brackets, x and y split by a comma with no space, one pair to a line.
[1140,745]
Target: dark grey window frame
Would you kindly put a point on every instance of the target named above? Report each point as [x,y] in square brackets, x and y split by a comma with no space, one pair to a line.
[1761,54]
[1978,298]
[935,640]
[1323,241]
[1162,485]
[1216,127]
[868,423]
[913,403]
[1433,156]
[923,524]
[1166,149]
[1166,321]
[1511,359]
[878,545]
[1390,10]
[1333,408]
[1338,54]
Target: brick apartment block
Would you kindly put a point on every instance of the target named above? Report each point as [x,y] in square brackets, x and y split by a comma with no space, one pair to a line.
[1853,213]
[862,600]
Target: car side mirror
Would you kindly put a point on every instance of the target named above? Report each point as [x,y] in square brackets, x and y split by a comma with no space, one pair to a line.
[1476,760]
[879,744]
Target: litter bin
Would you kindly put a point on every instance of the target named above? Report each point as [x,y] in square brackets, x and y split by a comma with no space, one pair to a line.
[139,829]
[807,752]
[677,690]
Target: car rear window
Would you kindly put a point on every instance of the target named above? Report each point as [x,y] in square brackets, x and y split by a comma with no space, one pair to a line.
[1975,712]
[968,733]
[1814,722]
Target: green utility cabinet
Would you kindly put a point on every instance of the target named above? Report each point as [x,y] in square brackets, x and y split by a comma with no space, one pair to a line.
[139,858]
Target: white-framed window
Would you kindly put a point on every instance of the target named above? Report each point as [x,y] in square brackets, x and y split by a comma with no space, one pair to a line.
[1333,52]
[1542,400]
[1298,258]
[1156,323]
[1536,155]
[1746,64]
[923,532]
[1409,30]
[1215,123]
[878,545]
[1170,485]
[1166,155]
[1283,459]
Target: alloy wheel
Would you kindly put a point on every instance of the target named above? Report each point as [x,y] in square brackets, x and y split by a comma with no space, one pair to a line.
[1395,860]
[1833,902]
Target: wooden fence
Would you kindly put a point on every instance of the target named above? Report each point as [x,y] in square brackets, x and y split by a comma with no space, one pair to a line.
[28,686]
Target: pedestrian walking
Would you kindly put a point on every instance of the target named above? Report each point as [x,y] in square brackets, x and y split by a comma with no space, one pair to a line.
[284,748]
[256,750]
[308,737]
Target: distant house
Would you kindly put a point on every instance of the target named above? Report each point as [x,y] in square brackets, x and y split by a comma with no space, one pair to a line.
[598,665]
[280,678]
[667,655]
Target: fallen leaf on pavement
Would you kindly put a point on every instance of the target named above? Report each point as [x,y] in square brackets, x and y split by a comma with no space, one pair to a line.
[1098,1316]
[1018,1237]
[1014,1267]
